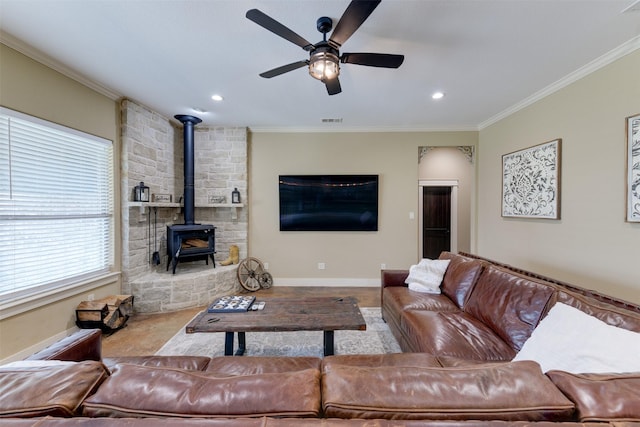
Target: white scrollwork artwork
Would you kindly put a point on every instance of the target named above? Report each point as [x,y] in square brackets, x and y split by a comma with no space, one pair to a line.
[633,168]
[531,182]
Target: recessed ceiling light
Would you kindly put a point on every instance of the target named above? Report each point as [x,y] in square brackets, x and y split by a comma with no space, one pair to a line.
[437,95]
[217,97]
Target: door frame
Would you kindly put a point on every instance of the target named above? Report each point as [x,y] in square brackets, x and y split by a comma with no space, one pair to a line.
[453,183]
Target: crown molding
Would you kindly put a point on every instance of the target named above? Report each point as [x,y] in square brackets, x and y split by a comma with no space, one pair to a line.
[604,60]
[44,59]
[394,129]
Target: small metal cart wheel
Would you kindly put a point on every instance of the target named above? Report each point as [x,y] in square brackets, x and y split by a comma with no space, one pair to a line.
[250,271]
[266,280]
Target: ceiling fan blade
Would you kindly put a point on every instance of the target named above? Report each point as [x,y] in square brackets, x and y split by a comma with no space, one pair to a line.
[385,60]
[284,69]
[356,13]
[277,28]
[333,86]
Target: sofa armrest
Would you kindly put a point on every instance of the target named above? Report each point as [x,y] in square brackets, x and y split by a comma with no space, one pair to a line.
[85,344]
[393,277]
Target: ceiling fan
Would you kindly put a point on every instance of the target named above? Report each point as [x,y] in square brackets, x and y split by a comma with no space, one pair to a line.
[324,56]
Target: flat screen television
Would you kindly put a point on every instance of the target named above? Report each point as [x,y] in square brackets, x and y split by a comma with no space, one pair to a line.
[328,202]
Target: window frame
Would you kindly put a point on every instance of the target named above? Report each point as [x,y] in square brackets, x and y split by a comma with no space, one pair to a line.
[12,303]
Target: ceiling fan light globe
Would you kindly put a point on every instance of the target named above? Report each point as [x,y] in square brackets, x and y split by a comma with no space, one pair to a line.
[324,66]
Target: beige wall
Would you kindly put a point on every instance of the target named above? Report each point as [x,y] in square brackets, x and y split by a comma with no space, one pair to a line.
[29,87]
[591,245]
[351,258]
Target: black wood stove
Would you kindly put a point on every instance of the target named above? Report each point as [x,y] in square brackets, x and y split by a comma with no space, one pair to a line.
[189,241]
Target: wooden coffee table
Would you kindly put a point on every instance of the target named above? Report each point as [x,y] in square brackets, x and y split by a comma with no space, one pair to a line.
[326,314]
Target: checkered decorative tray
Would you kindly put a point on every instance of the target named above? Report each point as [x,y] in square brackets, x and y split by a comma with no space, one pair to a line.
[231,304]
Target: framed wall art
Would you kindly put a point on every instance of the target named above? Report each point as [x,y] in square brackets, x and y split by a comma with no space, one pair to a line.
[531,182]
[633,168]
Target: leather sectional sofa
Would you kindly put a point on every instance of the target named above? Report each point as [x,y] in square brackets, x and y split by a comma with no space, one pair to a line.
[457,370]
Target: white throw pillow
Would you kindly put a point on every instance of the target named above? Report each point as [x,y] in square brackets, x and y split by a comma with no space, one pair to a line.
[426,276]
[570,340]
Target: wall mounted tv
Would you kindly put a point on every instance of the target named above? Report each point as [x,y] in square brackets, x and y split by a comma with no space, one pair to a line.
[328,202]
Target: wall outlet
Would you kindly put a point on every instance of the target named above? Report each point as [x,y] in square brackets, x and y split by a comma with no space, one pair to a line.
[91,297]
[383,266]
[412,215]
[321,266]
[266,265]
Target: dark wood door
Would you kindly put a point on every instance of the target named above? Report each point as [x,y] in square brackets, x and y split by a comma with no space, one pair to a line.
[436,221]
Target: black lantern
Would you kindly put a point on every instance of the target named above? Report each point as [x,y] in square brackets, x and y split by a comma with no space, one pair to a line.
[141,193]
[235,196]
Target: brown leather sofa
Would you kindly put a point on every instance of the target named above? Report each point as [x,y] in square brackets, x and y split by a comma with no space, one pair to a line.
[486,310]
[456,370]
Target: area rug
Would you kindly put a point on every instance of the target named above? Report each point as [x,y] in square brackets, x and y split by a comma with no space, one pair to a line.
[375,340]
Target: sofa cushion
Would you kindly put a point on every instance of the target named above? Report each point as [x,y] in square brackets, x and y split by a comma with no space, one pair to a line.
[417,360]
[149,422]
[455,334]
[601,397]
[280,422]
[506,391]
[510,304]
[573,341]
[229,366]
[397,300]
[41,388]
[460,277]
[142,391]
[192,363]
[457,362]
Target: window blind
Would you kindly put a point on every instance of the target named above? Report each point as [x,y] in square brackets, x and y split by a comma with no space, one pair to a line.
[56,206]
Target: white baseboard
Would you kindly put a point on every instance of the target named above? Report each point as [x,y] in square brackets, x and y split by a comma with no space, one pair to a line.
[21,355]
[326,282]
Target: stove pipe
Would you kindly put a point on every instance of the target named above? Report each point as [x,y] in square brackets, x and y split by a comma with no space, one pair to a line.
[189,197]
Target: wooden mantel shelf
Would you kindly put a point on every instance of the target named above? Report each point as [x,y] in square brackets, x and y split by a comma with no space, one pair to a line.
[178,206]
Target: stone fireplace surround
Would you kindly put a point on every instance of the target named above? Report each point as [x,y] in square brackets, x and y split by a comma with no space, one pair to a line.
[152,152]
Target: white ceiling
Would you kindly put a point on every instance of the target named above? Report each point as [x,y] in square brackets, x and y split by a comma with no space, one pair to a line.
[488,56]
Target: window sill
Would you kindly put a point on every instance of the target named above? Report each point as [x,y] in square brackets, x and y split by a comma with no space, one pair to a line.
[17,306]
